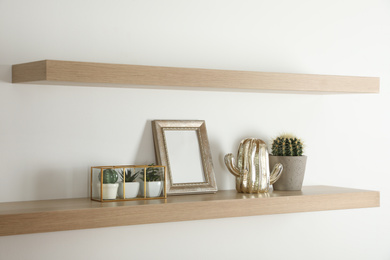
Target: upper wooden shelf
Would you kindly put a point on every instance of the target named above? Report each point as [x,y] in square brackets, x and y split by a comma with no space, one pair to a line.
[71,214]
[98,74]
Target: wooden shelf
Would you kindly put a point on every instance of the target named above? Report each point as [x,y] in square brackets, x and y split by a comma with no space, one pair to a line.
[110,75]
[71,214]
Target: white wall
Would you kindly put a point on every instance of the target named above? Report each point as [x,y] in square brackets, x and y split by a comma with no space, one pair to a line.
[51,135]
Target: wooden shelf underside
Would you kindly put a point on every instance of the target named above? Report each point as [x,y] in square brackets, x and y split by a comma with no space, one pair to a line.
[71,214]
[56,72]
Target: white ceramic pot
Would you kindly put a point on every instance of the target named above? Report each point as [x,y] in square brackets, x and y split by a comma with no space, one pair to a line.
[131,190]
[153,189]
[110,190]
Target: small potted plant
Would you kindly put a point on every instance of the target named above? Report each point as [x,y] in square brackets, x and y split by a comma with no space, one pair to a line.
[288,150]
[154,181]
[110,187]
[131,187]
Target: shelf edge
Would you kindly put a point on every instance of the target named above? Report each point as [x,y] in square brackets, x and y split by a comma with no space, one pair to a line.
[97,217]
[97,74]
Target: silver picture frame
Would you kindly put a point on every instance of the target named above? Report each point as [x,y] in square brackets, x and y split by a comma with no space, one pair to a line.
[183,147]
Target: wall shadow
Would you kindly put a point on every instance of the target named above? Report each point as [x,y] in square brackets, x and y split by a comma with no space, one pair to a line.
[145,153]
[6,73]
[50,183]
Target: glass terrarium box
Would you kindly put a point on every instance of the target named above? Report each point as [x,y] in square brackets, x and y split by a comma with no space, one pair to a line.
[129,182]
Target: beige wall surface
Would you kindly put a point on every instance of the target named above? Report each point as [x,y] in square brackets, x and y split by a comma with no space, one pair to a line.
[51,135]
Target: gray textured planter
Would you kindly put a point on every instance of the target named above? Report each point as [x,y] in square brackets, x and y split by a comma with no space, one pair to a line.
[293,171]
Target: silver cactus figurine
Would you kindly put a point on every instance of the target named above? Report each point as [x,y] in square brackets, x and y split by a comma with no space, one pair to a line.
[252,168]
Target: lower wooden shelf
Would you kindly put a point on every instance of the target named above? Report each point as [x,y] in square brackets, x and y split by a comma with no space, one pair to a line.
[71,214]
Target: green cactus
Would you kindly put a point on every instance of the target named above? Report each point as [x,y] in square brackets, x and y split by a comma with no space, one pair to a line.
[109,176]
[152,173]
[287,145]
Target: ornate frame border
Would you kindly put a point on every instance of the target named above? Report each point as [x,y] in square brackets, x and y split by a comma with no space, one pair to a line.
[159,127]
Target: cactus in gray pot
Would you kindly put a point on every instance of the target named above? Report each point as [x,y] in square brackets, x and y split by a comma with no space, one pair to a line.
[288,150]
[287,145]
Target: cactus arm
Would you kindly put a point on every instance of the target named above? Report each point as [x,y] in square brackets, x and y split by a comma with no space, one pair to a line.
[276,173]
[230,164]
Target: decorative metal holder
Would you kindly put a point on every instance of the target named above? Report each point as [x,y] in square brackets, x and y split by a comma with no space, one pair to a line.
[128,182]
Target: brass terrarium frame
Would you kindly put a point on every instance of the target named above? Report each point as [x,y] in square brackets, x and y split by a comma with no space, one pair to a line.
[124,167]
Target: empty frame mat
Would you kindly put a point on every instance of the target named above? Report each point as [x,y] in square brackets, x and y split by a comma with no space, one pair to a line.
[182,145]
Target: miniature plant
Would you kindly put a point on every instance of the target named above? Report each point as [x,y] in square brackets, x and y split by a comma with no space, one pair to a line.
[287,145]
[109,176]
[152,173]
[128,176]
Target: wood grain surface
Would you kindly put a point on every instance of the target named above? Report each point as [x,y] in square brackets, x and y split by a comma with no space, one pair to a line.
[71,214]
[112,75]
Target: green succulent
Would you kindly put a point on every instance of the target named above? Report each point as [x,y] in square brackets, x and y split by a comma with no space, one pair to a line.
[152,173]
[287,145]
[128,176]
[109,176]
